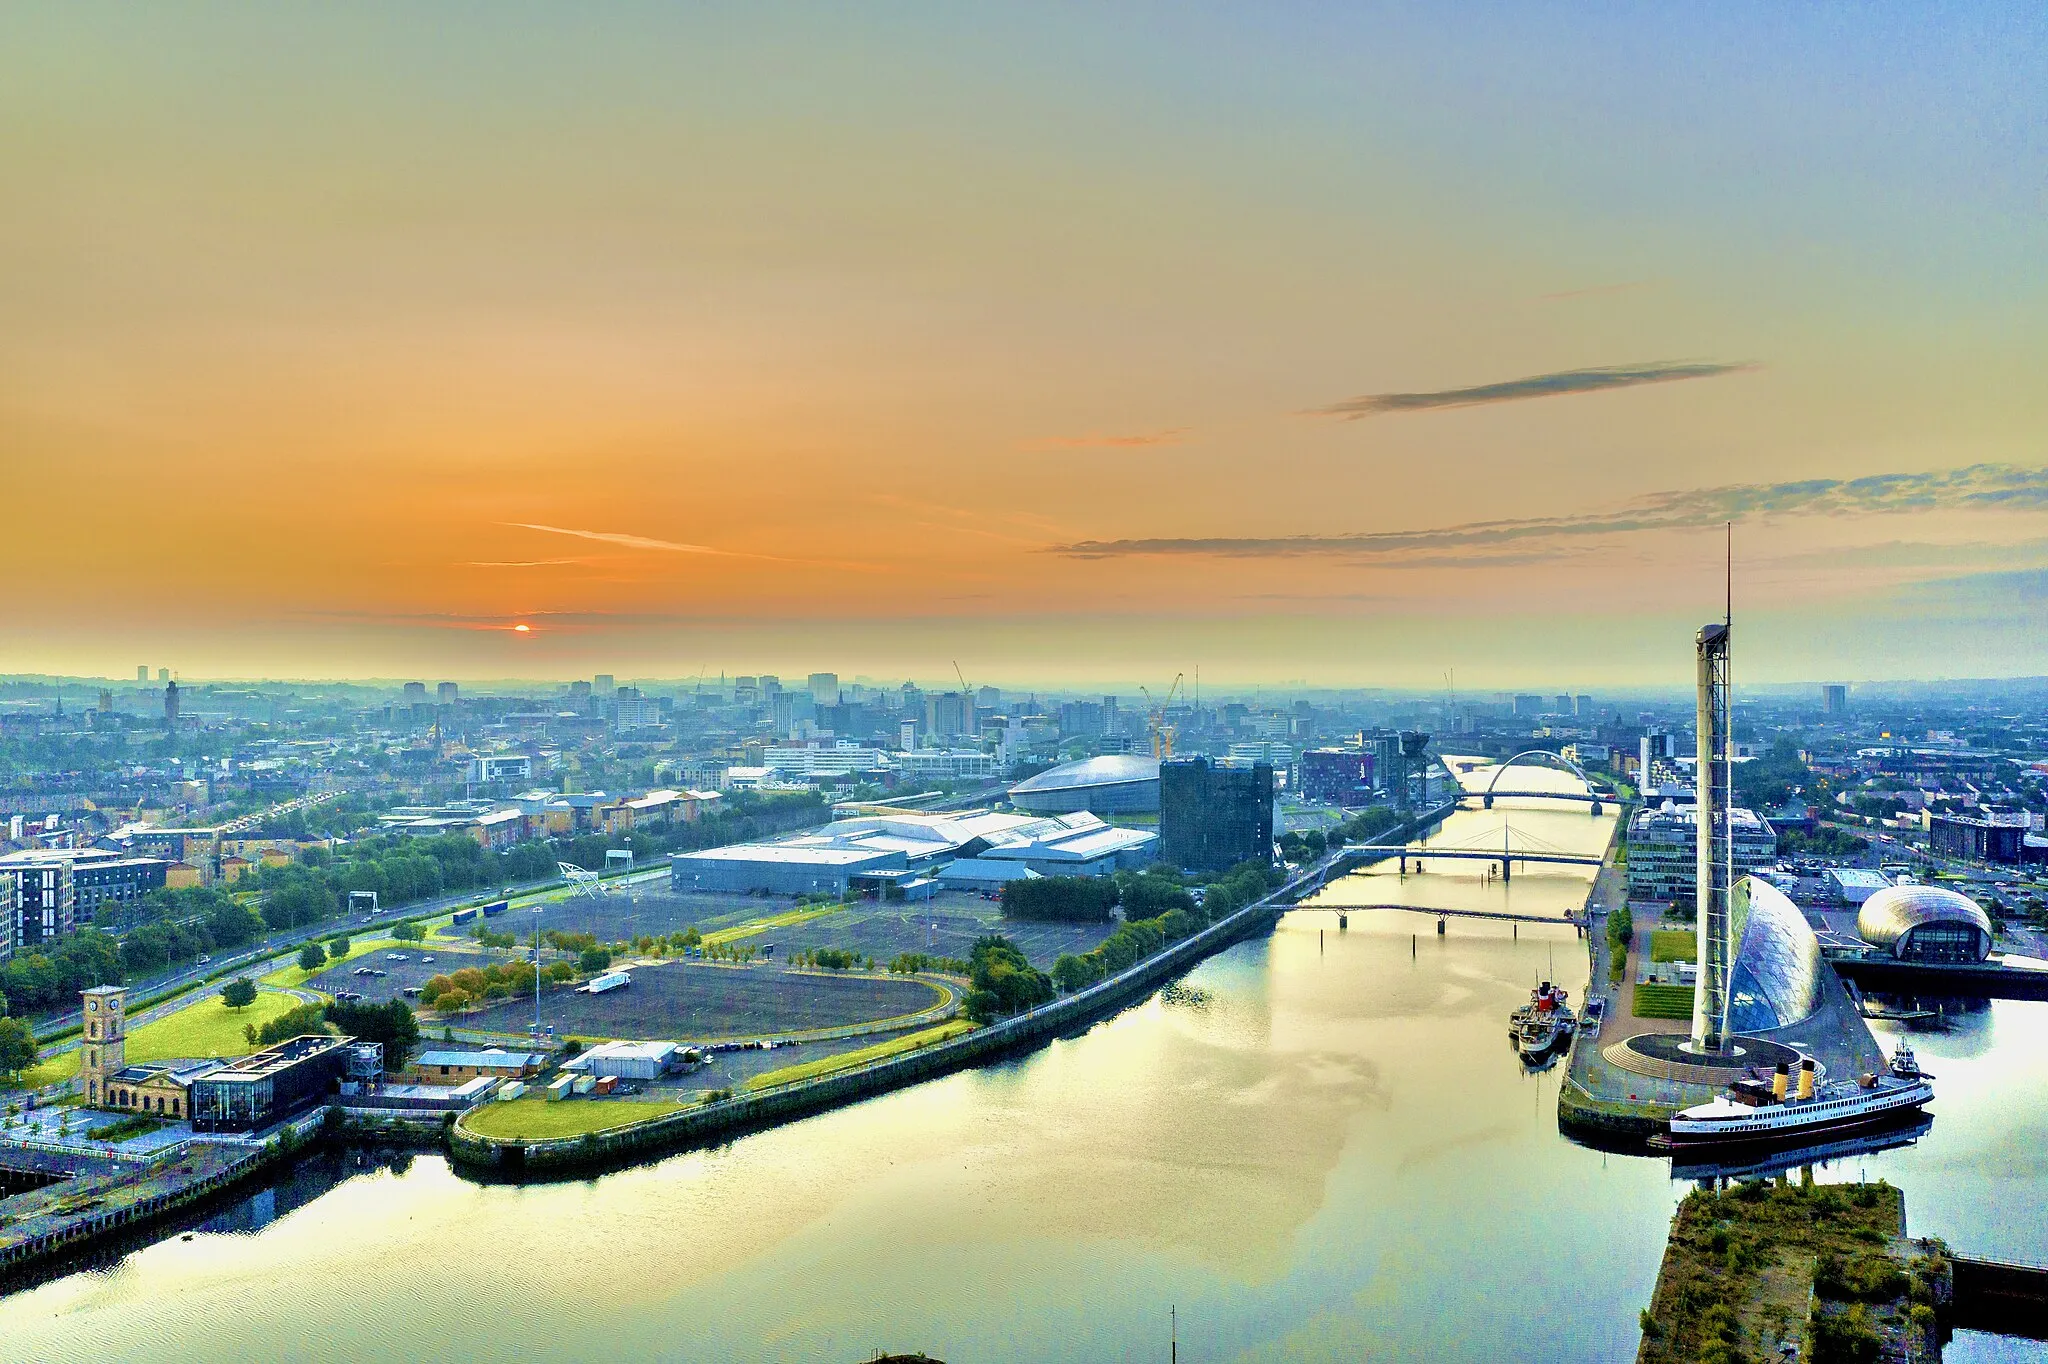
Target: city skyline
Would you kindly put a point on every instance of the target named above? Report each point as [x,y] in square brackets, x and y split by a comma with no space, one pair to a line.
[1354,348]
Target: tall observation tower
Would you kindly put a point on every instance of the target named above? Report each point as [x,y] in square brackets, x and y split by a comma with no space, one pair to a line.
[1716,856]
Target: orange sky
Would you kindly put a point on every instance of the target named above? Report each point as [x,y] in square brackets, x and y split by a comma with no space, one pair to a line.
[338,344]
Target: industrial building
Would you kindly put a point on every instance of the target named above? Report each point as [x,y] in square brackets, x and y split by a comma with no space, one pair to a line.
[255,1091]
[1117,783]
[1854,885]
[1213,816]
[1925,923]
[451,1066]
[879,848]
[1663,848]
[626,1060]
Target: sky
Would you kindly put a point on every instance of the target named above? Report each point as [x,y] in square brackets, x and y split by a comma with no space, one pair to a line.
[1350,345]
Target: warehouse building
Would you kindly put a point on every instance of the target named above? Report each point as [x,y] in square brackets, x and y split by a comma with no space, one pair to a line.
[847,852]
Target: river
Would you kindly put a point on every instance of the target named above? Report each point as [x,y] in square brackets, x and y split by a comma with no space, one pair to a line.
[1316,1145]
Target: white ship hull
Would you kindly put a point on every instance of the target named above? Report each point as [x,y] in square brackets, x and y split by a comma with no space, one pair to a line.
[1839,1108]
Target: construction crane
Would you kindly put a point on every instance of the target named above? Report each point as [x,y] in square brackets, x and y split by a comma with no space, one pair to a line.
[1162,733]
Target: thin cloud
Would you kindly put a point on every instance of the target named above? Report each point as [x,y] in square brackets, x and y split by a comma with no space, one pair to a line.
[520,563]
[1536,386]
[1978,487]
[1097,441]
[613,537]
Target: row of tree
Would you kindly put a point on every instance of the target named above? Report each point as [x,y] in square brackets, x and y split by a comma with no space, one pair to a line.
[1005,982]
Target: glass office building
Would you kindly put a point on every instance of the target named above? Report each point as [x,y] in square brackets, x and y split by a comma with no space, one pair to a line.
[1214,815]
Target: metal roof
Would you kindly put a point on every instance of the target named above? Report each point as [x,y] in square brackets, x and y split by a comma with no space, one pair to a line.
[1111,769]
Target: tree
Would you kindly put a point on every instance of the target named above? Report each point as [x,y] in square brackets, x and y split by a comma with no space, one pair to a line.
[312,957]
[1062,899]
[17,1047]
[391,1025]
[297,1022]
[594,959]
[338,948]
[238,993]
[409,932]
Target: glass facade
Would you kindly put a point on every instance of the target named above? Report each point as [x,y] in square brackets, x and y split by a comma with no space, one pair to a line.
[1212,817]
[1777,977]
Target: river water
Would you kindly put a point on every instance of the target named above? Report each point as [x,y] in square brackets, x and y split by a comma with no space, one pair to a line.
[1316,1145]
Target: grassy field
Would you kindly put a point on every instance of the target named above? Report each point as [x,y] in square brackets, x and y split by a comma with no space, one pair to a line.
[205,1027]
[811,1070]
[538,1119]
[1663,1001]
[1673,944]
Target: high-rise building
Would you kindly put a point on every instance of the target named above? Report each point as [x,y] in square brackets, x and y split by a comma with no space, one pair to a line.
[606,686]
[415,693]
[1716,866]
[1528,706]
[989,698]
[1212,816]
[825,689]
[170,705]
[948,714]
[446,693]
[579,691]
[142,672]
[1582,707]
[1834,699]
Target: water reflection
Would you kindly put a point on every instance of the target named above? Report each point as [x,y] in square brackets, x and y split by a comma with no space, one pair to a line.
[1316,1145]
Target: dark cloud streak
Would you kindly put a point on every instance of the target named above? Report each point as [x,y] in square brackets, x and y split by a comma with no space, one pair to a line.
[1978,487]
[1536,386]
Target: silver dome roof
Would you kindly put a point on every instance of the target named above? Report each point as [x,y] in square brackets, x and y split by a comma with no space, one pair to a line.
[1895,911]
[1111,769]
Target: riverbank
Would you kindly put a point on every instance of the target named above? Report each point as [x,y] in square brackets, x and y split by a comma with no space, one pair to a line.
[87,1204]
[724,1118]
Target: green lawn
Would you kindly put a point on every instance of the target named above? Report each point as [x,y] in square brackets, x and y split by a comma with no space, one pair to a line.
[1674,944]
[205,1027]
[811,1070]
[539,1119]
[290,977]
[1663,1001]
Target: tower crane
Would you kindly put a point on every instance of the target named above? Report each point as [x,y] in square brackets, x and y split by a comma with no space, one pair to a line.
[1163,734]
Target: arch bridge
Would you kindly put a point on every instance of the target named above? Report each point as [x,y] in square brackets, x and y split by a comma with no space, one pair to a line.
[1536,757]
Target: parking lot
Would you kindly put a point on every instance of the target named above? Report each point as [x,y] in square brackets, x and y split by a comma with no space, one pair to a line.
[683,1002]
[416,970]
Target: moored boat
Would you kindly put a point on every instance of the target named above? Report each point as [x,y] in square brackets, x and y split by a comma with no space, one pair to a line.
[1757,1111]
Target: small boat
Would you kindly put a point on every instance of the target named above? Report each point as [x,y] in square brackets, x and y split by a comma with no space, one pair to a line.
[1542,1024]
[1757,1111]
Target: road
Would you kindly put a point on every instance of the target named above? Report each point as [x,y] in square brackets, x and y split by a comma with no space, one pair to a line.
[275,949]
